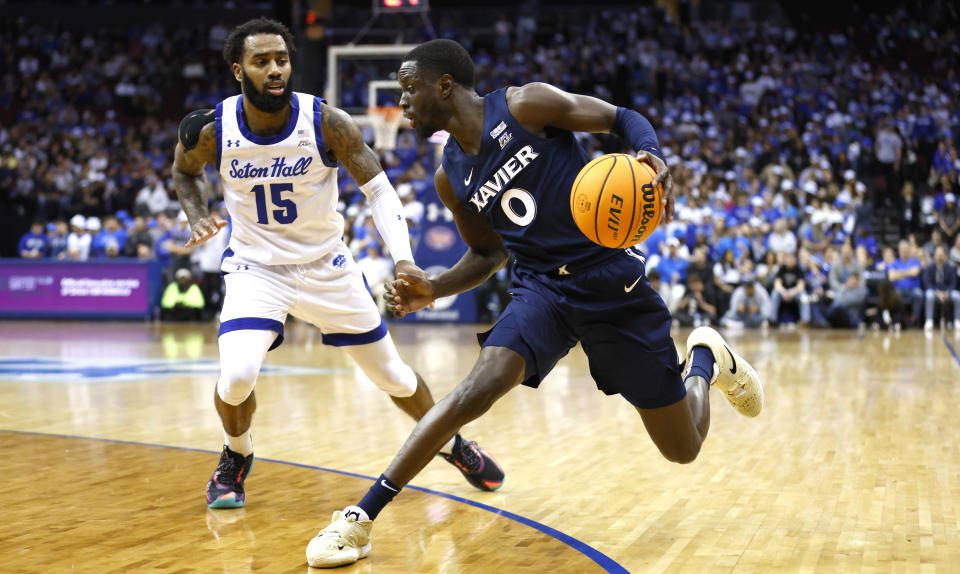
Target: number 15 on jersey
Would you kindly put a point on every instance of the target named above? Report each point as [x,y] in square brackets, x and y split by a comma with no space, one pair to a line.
[288,209]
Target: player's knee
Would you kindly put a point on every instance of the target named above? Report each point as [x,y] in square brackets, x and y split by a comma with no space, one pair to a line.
[686,456]
[681,453]
[236,383]
[396,378]
[470,400]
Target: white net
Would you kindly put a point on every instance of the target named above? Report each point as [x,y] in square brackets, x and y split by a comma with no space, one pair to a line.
[385,121]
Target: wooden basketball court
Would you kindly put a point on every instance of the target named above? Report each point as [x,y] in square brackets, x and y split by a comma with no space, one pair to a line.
[108,436]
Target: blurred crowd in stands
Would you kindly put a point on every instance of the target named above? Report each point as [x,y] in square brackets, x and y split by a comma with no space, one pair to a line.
[817,173]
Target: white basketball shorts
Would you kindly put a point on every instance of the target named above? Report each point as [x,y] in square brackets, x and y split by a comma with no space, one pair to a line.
[329,292]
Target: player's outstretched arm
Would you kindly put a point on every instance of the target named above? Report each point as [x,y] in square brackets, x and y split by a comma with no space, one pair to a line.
[197,147]
[486,254]
[538,105]
[346,145]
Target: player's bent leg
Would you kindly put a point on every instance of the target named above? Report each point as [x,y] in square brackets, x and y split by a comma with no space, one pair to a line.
[347,538]
[382,364]
[417,404]
[734,376]
[498,369]
[674,428]
[241,354]
[679,429]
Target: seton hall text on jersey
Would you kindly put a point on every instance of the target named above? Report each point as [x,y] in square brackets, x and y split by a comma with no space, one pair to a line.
[279,168]
[504,175]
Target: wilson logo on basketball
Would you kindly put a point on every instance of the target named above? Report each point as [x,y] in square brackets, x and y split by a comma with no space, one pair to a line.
[649,213]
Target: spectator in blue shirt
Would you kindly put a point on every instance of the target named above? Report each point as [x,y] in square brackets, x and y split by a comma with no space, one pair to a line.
[111,232]
[733,240]
[673,267]
[57,240]
[170,247]
[33,244]
[652,243]
[904,273]
[867,241]
[741,211]
[835,234]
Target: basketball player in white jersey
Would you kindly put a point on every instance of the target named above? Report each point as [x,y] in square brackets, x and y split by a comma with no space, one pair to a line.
[277,152]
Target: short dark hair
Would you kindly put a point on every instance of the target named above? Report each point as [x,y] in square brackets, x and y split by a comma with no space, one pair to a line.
[444,57]
[233,46]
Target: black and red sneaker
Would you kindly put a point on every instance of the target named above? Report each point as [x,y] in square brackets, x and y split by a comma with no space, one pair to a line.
[479,468]
[225,489]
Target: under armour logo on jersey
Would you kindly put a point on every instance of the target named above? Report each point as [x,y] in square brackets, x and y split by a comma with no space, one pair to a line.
[339,261]
[233,143]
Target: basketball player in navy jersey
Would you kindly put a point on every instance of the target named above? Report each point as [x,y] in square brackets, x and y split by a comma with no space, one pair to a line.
[506,175]
[277,152]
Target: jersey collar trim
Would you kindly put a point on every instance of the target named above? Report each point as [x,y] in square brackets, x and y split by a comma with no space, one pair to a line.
[269,140]
[318,131]
[218,123]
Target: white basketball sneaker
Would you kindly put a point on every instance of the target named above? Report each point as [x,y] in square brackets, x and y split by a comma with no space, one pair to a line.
[733,375]
[345,541]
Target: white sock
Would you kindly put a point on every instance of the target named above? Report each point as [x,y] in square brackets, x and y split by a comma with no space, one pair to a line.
[361,513]
[242,444]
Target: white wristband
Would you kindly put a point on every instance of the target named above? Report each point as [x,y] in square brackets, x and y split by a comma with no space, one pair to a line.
[388,216]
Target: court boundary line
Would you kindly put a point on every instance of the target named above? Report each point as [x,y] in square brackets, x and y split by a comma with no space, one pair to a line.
[607,563]
[953,352]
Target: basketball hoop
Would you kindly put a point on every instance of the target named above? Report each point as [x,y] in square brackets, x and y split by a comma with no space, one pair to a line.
[385,121]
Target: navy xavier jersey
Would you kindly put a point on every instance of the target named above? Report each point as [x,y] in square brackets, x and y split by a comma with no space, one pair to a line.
[522,183]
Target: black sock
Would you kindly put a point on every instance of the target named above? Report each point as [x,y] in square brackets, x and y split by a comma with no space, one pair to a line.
[701,363]
[379,495]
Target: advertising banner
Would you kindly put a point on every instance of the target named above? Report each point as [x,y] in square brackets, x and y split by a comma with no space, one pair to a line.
[124,288]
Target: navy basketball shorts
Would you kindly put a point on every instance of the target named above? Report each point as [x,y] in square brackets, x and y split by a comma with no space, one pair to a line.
[611,309]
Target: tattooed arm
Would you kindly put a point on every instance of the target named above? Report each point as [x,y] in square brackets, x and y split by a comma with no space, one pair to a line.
[343,138]
[190,184]
[346,144]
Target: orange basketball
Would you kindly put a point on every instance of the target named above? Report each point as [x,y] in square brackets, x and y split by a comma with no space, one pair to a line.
[614,202]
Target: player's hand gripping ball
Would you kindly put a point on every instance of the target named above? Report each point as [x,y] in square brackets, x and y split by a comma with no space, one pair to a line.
[614,201]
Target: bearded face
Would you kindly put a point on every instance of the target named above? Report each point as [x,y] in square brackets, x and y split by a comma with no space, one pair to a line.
[270,96]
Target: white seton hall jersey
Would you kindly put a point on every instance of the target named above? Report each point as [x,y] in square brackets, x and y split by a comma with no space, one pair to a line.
[281,191]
